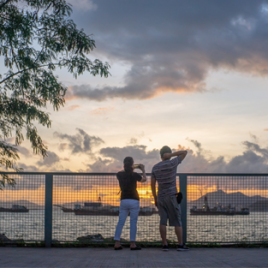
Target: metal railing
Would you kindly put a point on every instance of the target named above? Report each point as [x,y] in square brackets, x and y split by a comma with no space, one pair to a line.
[83,208]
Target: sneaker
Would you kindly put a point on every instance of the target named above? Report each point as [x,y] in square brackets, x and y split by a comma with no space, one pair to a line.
[165,247]
[182,248]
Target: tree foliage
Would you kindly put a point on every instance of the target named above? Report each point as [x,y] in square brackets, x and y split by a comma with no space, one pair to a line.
[36,38]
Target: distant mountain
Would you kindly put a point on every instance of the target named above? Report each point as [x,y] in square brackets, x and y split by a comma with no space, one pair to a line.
[237,199]
[259,206]
[26,203]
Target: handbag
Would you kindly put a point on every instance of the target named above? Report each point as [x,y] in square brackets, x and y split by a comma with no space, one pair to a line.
[179,197]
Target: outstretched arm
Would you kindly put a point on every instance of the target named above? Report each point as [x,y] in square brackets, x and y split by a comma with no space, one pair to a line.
[142,168]
[144,178]
[182,154]
[153,182]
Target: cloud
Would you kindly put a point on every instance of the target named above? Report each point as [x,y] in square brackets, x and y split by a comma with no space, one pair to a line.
[133,141]
[73,181]
[136,151]
[111,159]
[34,182]
[27,168]
[24,151]
[104,164]
[83,5]
[137,88]
[253,160]
[10,140]
[79,143]
[50,160]
[63,146]
[196,144]
[173,46]
[102,110]
[256,148]
[73,107]
[27,181]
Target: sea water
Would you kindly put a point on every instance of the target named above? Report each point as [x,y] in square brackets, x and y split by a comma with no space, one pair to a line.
[68,227]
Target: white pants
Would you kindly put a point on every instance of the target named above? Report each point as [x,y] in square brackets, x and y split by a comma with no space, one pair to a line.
[126,206]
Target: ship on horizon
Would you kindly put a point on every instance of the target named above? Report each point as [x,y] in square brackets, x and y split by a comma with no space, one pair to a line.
[14,208]
[99,209]
[217,210]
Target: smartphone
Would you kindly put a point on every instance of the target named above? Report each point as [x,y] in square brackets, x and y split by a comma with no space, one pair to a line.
[136,166]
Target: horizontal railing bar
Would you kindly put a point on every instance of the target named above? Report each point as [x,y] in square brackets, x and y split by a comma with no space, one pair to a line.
[113,174]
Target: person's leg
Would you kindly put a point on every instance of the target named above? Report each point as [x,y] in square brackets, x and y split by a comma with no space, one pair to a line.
[134,213]
[175,220]
[123,213]
[181,246]
[163,220]
[163,233]
[178,231]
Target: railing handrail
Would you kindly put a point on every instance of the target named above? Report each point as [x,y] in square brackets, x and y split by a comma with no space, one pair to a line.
[113,174]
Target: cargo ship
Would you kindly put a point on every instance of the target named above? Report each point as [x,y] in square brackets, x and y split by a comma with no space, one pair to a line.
[92,209]
[15,208]
[64,209]
[67,209]
[218,210]
[98,209]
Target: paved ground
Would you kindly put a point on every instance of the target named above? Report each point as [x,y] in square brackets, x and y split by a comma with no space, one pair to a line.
[149,257]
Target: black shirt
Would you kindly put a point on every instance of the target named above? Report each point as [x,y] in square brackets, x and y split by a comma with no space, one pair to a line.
[128,185]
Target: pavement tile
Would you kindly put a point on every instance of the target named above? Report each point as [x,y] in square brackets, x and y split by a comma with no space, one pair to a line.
[148,257]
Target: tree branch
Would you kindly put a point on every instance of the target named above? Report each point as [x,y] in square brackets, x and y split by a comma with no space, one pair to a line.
[13,53]
[38,55]
[24,71]
[5,18]
[2,5]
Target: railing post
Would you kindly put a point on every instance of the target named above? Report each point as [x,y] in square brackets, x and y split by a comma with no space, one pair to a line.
[183,190]
[48,209]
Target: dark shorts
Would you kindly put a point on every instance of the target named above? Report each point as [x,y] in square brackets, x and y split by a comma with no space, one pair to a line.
[169,209]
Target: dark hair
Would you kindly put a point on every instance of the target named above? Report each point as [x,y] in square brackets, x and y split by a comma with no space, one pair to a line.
[128,163]
[165,149]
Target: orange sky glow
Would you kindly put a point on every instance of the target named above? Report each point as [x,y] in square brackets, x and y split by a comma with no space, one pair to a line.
[109,195]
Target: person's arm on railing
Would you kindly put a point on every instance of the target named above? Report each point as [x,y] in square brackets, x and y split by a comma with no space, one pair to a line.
[182,154]
[153,182]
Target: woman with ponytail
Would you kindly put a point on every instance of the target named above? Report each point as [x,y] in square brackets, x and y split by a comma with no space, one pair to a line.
[129,200]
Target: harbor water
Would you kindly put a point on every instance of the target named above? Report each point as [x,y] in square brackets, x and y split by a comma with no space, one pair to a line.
[68,227]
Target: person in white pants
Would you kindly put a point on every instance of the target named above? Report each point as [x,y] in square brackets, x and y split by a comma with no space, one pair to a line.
[129,201]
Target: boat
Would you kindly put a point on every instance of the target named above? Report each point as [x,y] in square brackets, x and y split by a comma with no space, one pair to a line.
[96,212]
[243,211]
[217,210]
[64,209]
[98,209]
[15,208]
[147,211]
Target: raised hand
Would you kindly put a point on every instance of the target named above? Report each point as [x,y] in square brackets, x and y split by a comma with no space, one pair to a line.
[142,167]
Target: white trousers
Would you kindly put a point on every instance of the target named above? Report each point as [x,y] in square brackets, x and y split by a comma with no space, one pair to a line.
[126,206]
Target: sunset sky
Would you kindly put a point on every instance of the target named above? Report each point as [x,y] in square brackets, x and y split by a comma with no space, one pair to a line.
[188,74]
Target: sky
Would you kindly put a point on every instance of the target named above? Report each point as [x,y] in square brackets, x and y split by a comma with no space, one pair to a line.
[188,74]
